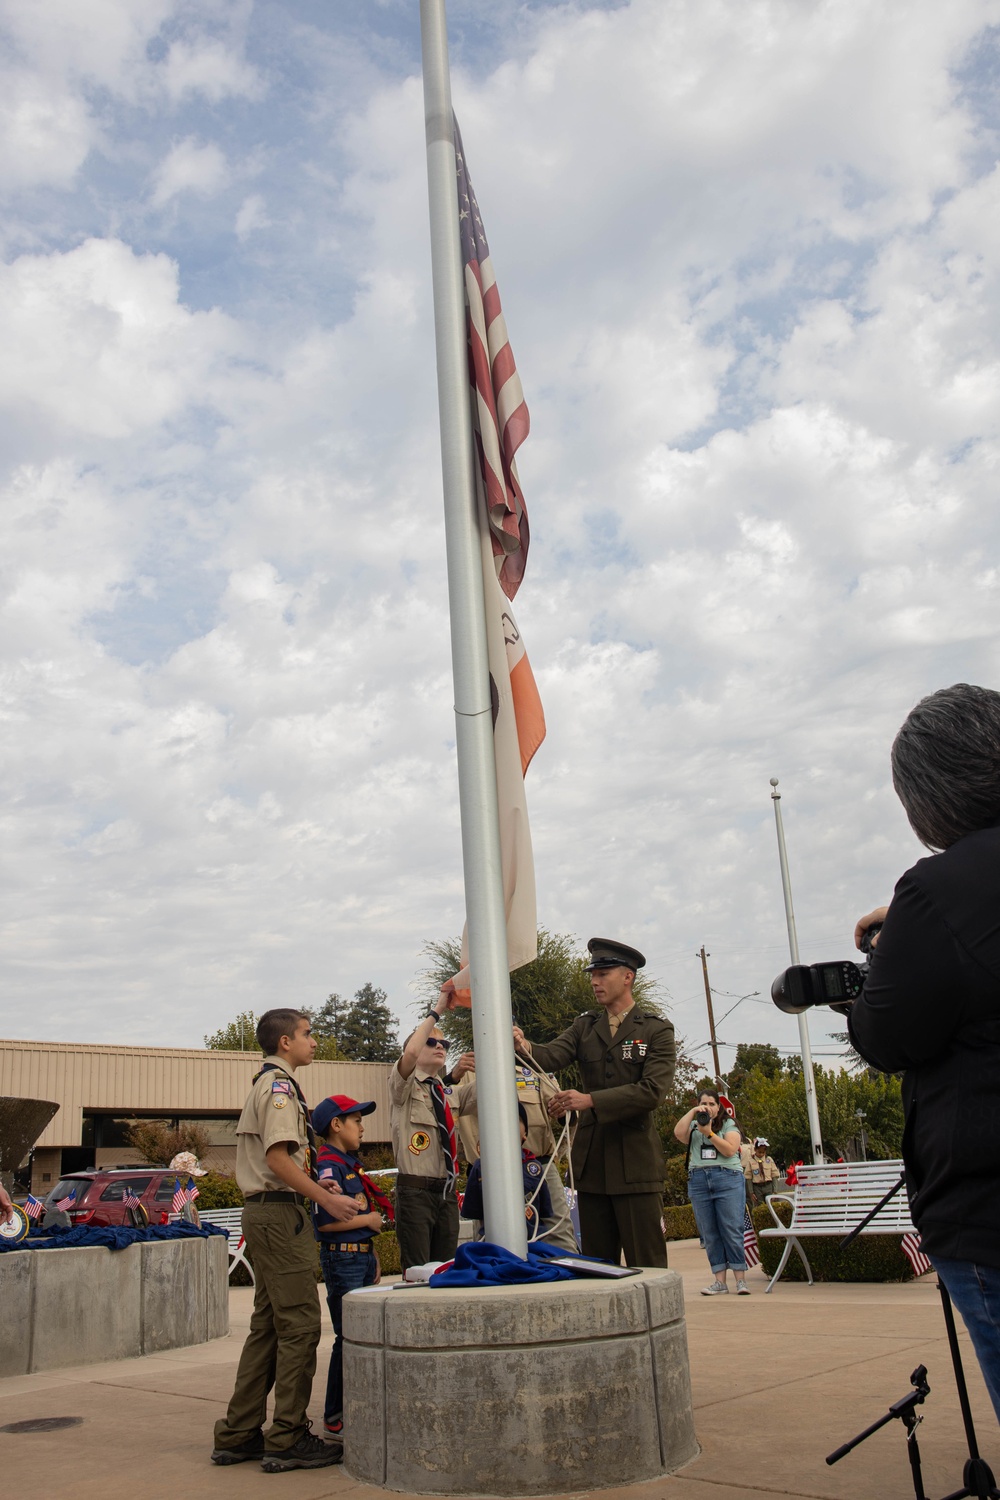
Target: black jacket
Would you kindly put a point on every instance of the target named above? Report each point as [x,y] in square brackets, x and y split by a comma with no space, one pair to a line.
[616,1148]
[931,1007]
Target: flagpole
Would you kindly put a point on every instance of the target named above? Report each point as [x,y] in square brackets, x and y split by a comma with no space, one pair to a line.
[499,1136]
[809,1077]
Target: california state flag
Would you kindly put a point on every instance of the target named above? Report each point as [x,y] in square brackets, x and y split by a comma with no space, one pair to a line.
[518,730]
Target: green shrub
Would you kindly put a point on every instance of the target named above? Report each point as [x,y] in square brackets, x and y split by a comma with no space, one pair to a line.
[872,1257]
[387,1250]
[679,1223]
[675,1181]
[218,1190]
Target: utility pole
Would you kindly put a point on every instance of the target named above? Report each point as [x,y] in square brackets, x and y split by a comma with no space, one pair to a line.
[808,1076]
[711,1014]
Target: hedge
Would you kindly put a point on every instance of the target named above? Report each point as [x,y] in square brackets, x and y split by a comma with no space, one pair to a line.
[679,1223]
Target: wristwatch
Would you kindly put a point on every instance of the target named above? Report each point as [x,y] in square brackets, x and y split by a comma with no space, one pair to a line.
[435,1015]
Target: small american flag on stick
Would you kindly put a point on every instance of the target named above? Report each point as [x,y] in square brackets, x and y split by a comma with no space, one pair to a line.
[34,1207]
[180,1196]
[918,1260]
[66,1203]
[191,1191]
[131,1199]
[750,1247]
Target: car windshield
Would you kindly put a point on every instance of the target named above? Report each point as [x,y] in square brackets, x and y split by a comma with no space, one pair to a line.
[115,1191]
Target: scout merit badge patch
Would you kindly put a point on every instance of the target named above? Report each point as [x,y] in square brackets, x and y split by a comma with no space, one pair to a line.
[635,1042]
[281,1092]
[419,1141]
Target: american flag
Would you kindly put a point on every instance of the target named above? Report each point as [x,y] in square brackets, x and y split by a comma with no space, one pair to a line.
[131,1198]
[911,1249]
[500,416]
[191,1191]
[34,1207]
[750,1247]
[68,1201]
[180,1196]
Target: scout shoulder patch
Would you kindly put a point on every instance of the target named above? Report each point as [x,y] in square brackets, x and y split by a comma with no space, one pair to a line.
[534,1168]
[279,1100]
[419,1141]
[281,1086]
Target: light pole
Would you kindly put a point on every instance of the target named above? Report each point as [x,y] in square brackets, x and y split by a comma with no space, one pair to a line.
[861,1117]
[809,1077]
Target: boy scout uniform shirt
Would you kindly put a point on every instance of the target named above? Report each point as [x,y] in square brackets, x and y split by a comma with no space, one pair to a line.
[272,1115]
[416,1144]
[531,1092]
[616,1148]
[341,1168]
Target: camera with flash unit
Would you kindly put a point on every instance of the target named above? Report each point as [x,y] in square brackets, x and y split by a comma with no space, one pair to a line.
[836,984]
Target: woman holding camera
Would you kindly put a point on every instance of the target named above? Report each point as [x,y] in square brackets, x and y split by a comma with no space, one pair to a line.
[716,1185]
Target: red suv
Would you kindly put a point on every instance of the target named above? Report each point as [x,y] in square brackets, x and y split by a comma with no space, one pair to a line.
[100,1194]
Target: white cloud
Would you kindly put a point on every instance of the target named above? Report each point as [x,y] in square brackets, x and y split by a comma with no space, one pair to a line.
[189,167]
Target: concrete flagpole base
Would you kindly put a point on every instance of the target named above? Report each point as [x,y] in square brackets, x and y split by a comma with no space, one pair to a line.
[523,1390]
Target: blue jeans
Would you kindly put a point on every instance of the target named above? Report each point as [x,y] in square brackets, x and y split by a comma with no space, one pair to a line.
[718,1197]
[975,1291]
[343,1271]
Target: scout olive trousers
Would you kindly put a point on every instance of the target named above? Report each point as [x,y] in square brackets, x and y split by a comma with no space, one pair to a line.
[280,1350]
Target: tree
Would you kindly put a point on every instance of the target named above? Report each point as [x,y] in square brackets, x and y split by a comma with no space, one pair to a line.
[240,1035]
[369,1032]
[328,1025]
[157,1144]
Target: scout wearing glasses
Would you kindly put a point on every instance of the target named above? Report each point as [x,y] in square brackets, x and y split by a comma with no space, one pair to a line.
[425,1144]
[626,1056]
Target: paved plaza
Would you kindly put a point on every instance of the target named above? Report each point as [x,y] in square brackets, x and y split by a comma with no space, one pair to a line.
[779,1381]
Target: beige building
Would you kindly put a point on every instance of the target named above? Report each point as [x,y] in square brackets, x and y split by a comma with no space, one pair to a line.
[100,1089]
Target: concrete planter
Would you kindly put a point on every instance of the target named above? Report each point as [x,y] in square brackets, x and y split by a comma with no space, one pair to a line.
[528,1390]
[89,1305]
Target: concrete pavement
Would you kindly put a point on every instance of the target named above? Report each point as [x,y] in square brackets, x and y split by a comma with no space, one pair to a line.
[779,1381]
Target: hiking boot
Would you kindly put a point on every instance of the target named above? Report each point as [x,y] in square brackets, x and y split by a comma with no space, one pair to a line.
[717,1289]
[308,1452]
[243,1453]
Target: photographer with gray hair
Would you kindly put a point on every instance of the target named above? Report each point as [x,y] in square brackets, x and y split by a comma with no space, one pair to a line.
[931,1004]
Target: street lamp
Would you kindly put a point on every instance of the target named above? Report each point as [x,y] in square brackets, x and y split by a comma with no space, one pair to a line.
[860,1116]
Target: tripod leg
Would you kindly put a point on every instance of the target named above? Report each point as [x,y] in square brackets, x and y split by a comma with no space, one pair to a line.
[910,1420]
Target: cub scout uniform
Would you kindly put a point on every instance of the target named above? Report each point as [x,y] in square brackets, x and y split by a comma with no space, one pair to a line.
[285,1327]
[426,1206]
[533,1092]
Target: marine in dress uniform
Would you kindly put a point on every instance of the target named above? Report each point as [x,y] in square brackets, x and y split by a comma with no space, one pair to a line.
[626,1057]
[425,1146]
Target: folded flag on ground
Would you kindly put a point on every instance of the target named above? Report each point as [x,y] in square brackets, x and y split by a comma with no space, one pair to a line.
[918,1260]
[751,1249]
[34,1207]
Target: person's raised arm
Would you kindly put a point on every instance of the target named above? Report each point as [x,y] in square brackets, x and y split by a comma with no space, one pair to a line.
[446,1000]
[682,1130]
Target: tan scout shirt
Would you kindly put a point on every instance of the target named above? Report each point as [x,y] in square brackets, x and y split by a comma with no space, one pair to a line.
[529,1093]
[271,1115]
[416,1144]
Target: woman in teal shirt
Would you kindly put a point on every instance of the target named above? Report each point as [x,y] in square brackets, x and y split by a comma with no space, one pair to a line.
[716,1185]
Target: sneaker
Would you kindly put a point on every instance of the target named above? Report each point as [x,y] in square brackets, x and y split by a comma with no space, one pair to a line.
[252,1448]
[333,1429]
[742,1290]
[717,1289]
[309,1452]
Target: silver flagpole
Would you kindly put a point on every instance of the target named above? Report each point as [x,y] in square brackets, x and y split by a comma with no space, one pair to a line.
[812,1109]
[499,1135]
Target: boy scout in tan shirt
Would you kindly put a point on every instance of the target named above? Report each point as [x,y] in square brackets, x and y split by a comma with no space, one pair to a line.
[275,1169]
[426,1201]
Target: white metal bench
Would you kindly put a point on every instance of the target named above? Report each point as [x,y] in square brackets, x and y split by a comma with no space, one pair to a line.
[831,1199]
[231,1219]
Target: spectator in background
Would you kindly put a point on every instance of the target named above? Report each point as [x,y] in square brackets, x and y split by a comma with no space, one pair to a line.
[761,1171]
[716,1184]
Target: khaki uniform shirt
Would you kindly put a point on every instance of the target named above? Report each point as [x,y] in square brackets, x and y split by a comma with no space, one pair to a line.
[271,1115]
[616,1148]
[761,1169]
[416,1143]
[530,1092]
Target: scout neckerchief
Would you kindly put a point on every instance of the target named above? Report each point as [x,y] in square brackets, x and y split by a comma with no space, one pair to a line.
[375,1194]
[310,1133]
[446,1132]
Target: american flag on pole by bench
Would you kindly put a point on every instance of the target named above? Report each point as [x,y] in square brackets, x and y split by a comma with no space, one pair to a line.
[750,1247]
[918,1260]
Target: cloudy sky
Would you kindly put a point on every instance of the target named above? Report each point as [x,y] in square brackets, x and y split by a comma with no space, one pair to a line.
[748,252]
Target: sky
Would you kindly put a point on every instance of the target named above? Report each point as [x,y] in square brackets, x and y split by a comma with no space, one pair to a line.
[748,256]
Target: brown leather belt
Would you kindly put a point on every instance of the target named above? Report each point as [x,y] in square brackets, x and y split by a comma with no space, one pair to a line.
[432,1184]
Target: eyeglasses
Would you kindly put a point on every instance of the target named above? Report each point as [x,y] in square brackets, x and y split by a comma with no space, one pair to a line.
[436,1041]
